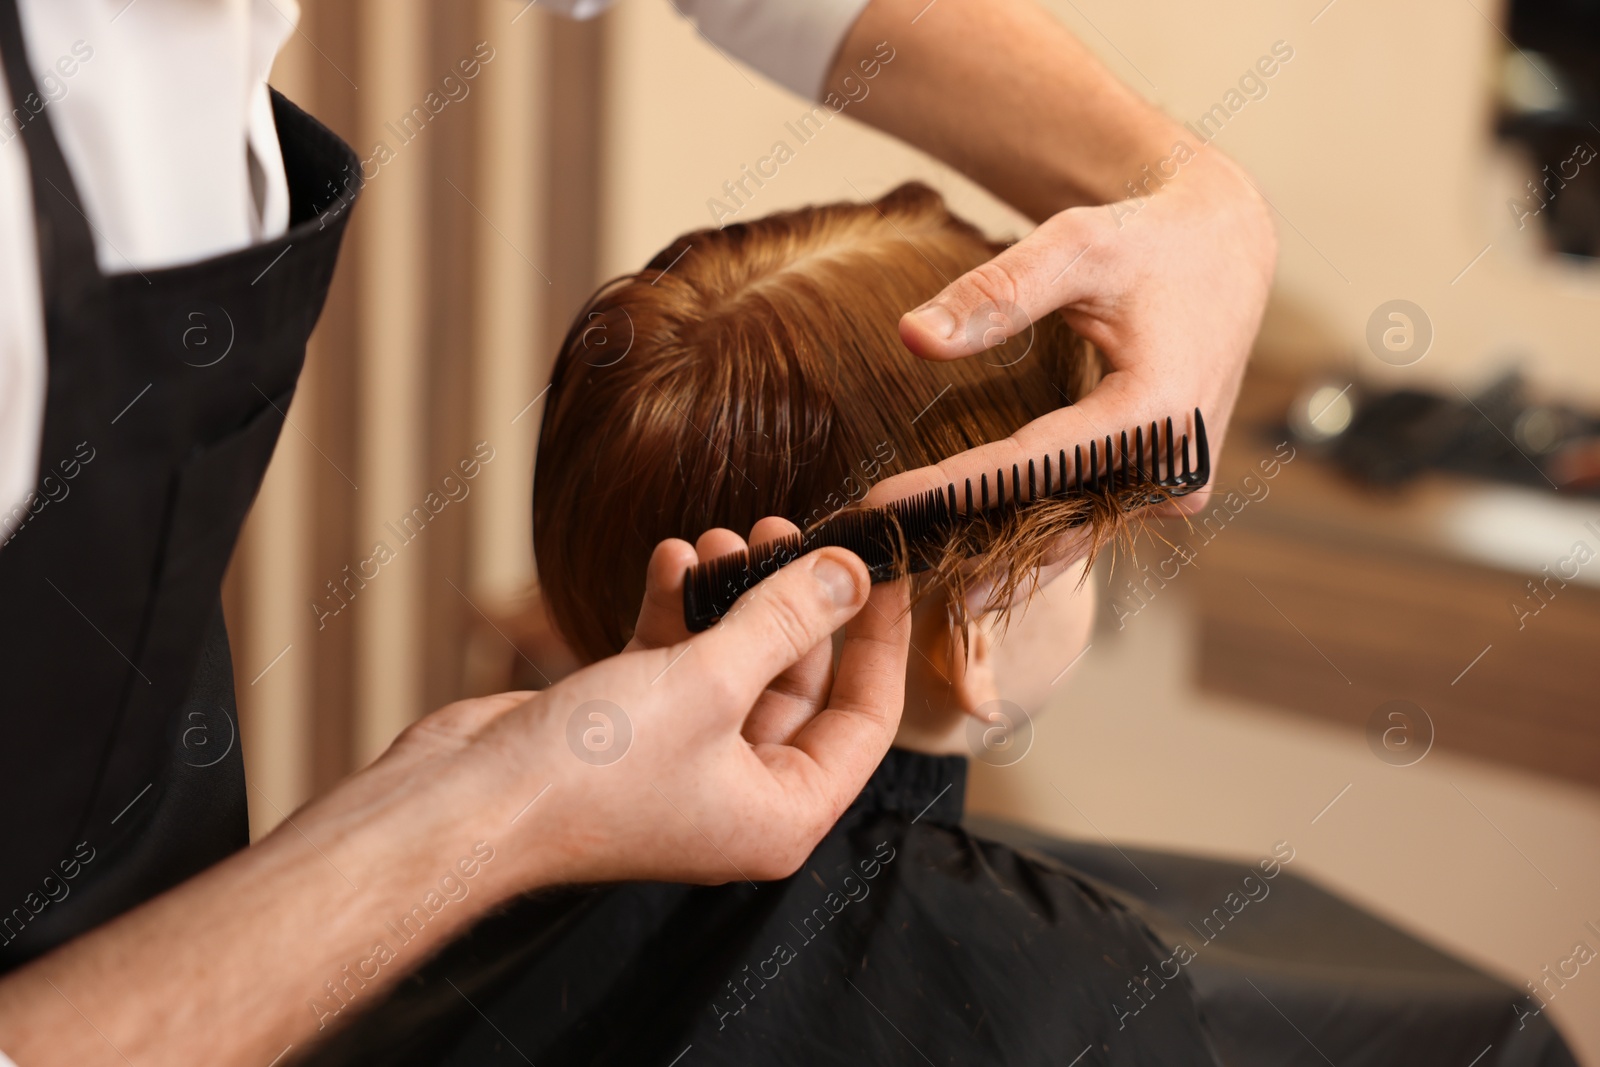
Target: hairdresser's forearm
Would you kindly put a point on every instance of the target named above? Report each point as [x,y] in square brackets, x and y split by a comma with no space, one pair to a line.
[234,965]
[1001,90]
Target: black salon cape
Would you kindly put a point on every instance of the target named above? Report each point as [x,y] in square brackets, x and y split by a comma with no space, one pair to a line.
[905,939]
[902,939]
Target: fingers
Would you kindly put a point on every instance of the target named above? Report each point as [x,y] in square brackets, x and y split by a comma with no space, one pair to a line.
[660,621]
[661,614]
[848,740]
[774,625]
[792,698]
[797,693]
[718,542]
[1050,268]
[770,529]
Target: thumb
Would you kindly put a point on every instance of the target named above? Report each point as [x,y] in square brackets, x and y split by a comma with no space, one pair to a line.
[1048,269]
[776,623]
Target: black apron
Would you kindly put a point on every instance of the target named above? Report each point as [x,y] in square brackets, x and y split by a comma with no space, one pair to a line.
[120,766]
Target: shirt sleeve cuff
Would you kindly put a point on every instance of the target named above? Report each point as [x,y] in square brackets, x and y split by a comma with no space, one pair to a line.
[793,42]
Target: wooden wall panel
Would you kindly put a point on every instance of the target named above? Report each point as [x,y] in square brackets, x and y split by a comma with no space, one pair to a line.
[465,256]
[1331,599]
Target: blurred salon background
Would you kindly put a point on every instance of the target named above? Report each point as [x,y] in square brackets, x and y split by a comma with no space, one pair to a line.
[1386,651]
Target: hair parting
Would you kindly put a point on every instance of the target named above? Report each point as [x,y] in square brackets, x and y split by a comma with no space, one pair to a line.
[761,373]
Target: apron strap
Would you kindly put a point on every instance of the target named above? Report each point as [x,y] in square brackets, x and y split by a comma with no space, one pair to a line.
[67,265]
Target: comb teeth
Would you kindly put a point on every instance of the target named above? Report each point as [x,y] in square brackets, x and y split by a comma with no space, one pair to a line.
[926,519]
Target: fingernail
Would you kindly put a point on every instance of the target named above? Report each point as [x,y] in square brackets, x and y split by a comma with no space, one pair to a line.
[838,581]
[936,319]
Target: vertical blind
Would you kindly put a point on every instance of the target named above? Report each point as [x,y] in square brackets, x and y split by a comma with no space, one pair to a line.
[394,520]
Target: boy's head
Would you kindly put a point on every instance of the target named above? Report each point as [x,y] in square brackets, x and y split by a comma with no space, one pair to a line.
[757,370]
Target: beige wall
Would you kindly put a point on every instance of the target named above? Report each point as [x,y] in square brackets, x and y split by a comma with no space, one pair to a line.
[431,343]
[1372,142]
[681,119]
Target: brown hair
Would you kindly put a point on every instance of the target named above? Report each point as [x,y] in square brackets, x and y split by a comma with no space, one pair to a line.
[757,370]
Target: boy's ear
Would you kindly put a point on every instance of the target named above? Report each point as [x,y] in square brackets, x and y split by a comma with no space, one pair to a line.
[972,677]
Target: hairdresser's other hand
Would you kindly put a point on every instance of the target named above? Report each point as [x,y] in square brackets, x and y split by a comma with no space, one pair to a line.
[652,768]
[792,697]
[1171,289]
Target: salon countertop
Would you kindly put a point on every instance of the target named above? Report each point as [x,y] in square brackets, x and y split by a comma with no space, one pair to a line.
[1488,524]
[1476,602]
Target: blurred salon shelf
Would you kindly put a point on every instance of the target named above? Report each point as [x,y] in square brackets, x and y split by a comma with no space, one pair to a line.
[1328,598]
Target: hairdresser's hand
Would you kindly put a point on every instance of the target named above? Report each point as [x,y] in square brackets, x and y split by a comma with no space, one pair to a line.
[744,748]
[476,803]
[1170,289]
[791,698]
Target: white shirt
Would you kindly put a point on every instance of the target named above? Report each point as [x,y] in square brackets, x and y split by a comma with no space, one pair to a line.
[164,117]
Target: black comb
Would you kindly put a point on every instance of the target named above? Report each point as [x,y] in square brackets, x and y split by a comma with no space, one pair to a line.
[926,520]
